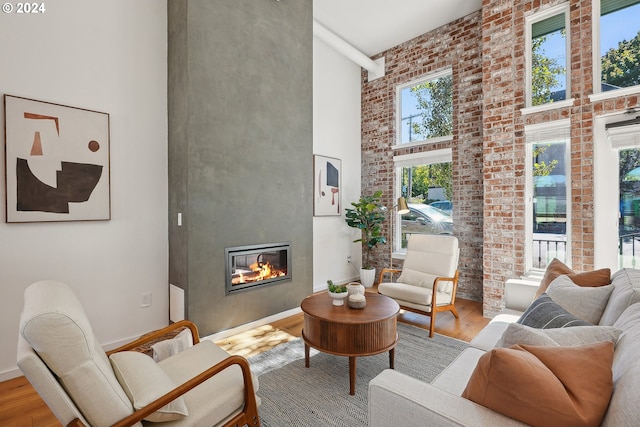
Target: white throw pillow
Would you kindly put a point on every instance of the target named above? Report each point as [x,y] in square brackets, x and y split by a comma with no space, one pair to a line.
[144,381]
[574,336]
[586,303]
[170,347]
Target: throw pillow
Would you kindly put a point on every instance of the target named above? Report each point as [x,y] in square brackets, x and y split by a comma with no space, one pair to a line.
[144,381]
[578,335]
[167,348]
[545,313]
[586,303]
[544,386]
[557,268]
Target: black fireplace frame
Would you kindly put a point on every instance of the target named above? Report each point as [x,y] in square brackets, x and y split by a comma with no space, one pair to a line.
[230,252]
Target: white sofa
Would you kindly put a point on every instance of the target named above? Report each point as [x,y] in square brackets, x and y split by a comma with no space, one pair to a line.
[397,399]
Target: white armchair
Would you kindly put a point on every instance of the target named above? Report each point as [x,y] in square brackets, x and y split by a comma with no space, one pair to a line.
[84,386]
[428,281]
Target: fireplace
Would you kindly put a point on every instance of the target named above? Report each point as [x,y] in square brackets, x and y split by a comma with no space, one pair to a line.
[249,267]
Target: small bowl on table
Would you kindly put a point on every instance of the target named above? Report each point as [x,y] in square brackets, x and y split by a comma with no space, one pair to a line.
[338,297]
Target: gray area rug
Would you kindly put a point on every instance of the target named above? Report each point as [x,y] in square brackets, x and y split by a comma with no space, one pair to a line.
[293,395]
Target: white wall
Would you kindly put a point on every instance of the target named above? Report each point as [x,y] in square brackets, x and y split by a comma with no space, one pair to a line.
[336,133]
[108,56]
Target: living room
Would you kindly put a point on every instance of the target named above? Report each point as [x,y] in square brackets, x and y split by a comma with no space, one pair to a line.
[112,57]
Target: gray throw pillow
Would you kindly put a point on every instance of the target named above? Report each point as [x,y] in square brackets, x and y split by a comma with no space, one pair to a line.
[586,303]
[564,337]
[544,313]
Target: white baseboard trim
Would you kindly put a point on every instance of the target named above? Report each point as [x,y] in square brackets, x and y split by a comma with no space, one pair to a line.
[10,374]
[247,326]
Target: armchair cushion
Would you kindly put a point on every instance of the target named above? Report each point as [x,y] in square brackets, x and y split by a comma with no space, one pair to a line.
[567,386]
[55,325]
[144,381]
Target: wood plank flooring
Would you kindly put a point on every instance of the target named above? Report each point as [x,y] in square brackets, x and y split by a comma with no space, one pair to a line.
[20,405]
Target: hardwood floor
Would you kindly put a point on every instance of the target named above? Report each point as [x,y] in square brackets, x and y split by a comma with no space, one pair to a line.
[20,405]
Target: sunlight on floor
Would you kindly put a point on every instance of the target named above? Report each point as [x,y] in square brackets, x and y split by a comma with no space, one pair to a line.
[254,341]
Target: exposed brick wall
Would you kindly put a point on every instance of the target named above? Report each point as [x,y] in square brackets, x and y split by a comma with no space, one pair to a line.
[486,53]
[454,46]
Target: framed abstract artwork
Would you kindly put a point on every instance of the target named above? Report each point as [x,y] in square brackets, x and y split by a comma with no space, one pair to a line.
[327,173]
[57,162]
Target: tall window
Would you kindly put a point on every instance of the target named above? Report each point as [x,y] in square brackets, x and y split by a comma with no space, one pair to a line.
[425,180]
[547,59]
[425,109]
[548,194]
[619,45]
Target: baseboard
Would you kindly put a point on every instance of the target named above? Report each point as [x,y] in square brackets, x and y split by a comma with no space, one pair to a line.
[10,374]
[247,326]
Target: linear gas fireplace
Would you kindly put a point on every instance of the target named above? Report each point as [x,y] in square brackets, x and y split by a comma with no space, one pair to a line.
[254,266]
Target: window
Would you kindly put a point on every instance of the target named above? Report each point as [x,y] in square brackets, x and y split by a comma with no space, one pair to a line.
[617,45]
[548,211]
[547,44]
[425,180]
[425,109]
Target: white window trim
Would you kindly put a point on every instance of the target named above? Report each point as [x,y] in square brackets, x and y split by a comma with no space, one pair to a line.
[407,160]
[598,95]
[399,89]
[538,133]
[529,21]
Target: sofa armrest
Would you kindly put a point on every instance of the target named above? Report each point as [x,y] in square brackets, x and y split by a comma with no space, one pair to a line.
[520,293]
[397,399]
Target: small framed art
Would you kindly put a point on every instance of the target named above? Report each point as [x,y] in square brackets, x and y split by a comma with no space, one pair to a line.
[327,173]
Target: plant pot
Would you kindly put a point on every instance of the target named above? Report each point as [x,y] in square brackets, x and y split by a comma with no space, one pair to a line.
[338,297]
[367,277]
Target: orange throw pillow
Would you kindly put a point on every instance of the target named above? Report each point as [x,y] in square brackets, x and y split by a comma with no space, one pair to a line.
[557,268]
[544,386]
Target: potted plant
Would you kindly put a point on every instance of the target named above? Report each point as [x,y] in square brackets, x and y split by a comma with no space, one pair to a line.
[367,215]
[337,292]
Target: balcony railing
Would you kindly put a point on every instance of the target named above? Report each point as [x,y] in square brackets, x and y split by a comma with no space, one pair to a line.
[546,247]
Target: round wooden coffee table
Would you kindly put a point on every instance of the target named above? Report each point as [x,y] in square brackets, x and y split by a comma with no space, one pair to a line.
[345,331]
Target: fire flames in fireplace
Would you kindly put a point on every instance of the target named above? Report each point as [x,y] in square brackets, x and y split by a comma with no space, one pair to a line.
[257,265]
[256,272]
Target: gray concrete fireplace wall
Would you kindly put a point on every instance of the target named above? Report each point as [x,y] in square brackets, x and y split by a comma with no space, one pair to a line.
[240,150]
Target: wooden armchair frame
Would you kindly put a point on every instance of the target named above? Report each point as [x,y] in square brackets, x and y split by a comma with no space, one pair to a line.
[247,416]
[434,307]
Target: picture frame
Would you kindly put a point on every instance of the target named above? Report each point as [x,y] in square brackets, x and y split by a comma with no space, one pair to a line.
[327,176]
[57,162]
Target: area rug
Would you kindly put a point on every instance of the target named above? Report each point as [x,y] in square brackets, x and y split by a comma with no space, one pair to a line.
[293,395]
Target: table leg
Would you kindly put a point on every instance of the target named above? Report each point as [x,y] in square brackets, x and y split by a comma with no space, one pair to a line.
[352,375]
[392,358]
[306,355]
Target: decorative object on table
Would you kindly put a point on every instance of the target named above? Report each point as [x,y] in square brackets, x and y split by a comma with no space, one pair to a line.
[355,288]
[367,215]
[337,292]
[326,185]
[57,162]
[356,301]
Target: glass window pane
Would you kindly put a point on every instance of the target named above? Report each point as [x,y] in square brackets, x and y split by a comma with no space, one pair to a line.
[426,109]
[429,191]
[548,61]
[549,203]
[619,44]
[629,222]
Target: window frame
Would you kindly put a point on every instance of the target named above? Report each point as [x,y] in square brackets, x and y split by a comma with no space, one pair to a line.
[598,94]
[538,134]
[529,22]
[444,155]
[398,138]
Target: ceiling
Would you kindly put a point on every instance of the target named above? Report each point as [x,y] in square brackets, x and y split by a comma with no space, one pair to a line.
[372,26]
